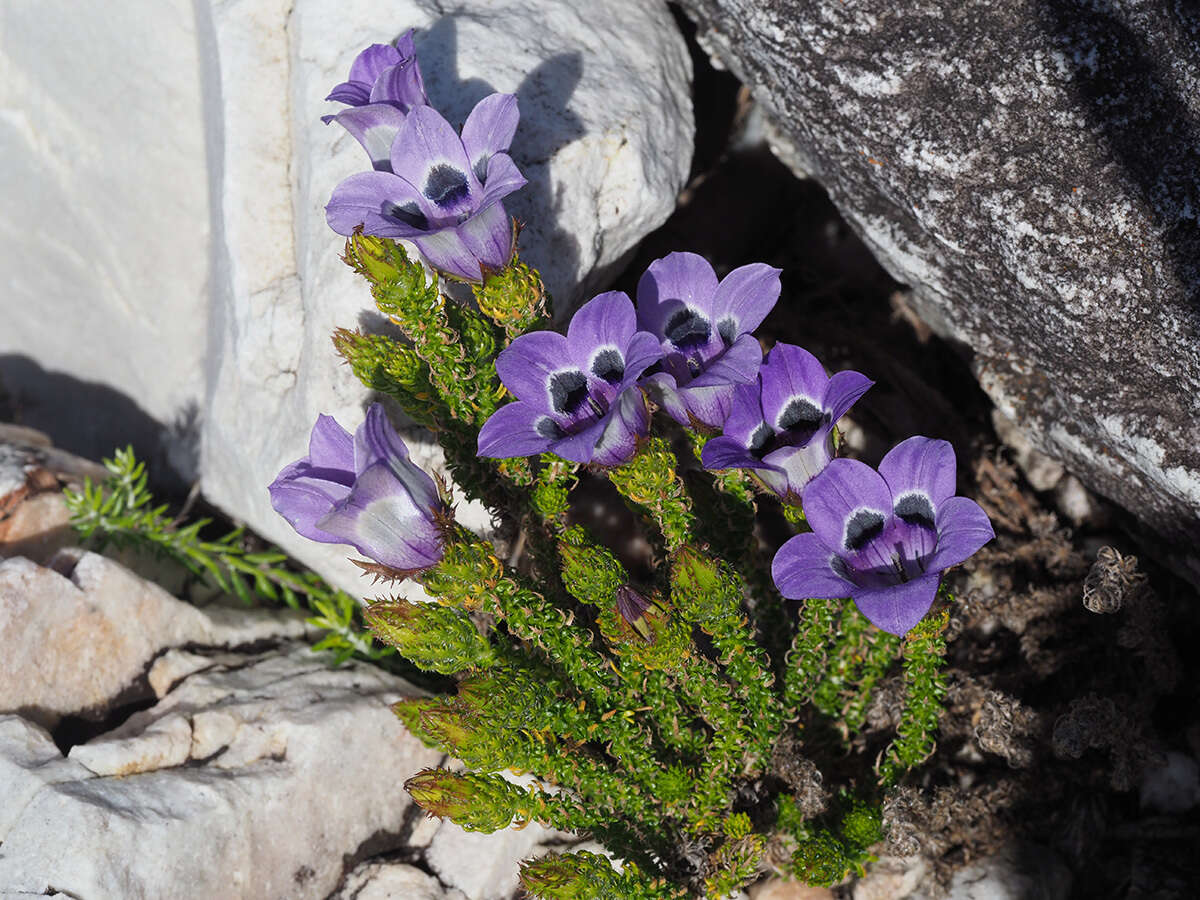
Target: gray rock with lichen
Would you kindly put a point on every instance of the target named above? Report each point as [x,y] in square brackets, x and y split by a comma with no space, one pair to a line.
[1030,169]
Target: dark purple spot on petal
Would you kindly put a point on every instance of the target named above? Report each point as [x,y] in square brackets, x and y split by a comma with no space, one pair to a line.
[687,329]
[840,568]
[801,415]
[609,365]
[568,391]
[759,439]
[864,524]
[446,186]
[727,328]
[915,509]
[480,168]
[548,428]
[409,214]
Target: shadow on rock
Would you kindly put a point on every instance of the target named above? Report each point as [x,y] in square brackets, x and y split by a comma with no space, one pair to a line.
[92,419]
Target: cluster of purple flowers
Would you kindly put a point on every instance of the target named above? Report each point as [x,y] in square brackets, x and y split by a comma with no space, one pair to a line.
[428,184]
[882,538]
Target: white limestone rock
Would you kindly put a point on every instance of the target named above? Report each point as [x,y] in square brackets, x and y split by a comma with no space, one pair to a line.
[29,761]
[308,769]
[393,881]
[487,866]
[74,642]
[106,218]
[165,206]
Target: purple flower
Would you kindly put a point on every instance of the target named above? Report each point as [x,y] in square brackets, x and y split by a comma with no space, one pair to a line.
[442,192]
[782,425]
[704,327]
[883,538]
[577,396]
[362,491]
[385,83]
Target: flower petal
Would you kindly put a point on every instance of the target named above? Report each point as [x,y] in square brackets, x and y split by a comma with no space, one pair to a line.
[897,608]
[489,236]
[920,465]
[513,430]
[745,423]
[660,387]
[384,204]
[709,405]
[376,441]
[743,299]
[724,452]
[382,521]
[489,129]
[355,93]
[670,284]
[963,527]
[303,500]
[447,251]
[803,569]
[847,504]
[629,420]
[642,351]
[371,62]
[400,85]
[500,180]
[330,446]
[525,366]
[802,464]
[430,155]
[607,319]
[793,388]
[374,126]
[843,391]
[737,365]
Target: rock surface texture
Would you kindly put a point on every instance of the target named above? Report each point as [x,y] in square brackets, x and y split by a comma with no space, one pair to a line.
[1030,170]
[186,799]
[196,290]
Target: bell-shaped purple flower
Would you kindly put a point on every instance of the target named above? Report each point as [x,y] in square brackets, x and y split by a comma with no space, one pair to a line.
[883,538]
[781,426]
[577,396]
[363,491]
[705,328]
[443,192]
[385,83]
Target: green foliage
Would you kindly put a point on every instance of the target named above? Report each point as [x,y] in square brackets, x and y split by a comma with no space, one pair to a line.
[650,482]
[121,513]
[653,710]
[514,298]
[924,651]
[590,876]
[826,851]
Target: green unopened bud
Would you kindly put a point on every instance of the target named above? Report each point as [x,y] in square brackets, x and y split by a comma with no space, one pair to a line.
[703,589]
[383,364]
[435,638]
[372,257]
[450,727]
[474,802]
[590,572]
[514,298]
